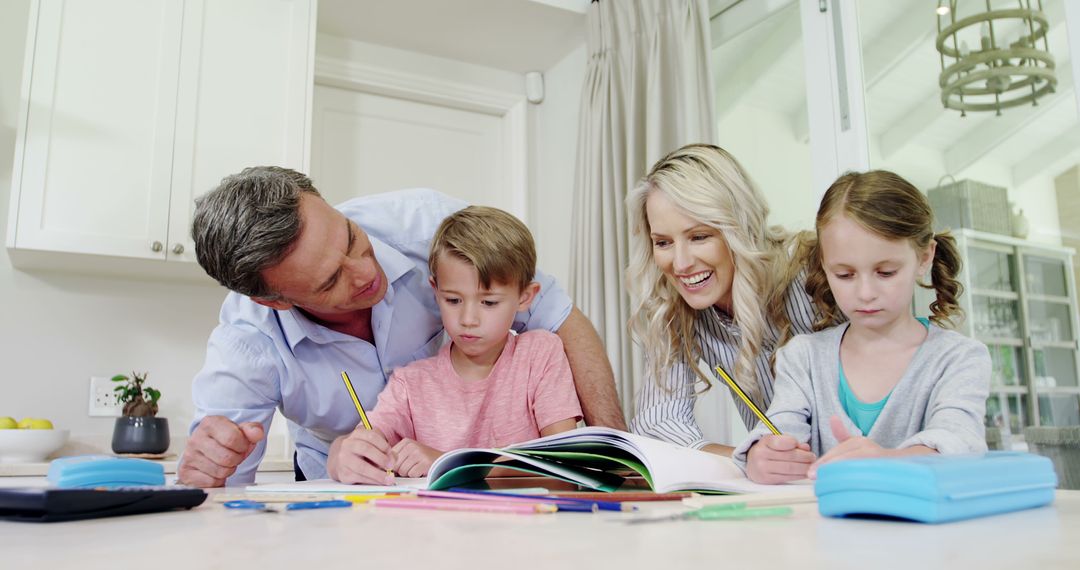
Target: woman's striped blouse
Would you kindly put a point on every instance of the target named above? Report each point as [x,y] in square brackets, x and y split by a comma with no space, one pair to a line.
[667,413]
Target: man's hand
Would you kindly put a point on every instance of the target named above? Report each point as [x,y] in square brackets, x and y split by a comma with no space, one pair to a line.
[778,459]
[362,456]
[850,447]
[215,449]
[413,459]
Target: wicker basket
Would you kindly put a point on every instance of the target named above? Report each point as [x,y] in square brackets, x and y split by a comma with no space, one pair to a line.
[971,204]
[1062,446]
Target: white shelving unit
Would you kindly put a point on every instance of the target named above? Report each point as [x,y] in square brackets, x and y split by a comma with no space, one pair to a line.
[1020,300]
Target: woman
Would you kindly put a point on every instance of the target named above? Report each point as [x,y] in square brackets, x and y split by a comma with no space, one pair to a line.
[710,281]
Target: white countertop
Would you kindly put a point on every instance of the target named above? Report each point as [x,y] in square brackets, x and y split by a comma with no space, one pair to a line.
[210,536]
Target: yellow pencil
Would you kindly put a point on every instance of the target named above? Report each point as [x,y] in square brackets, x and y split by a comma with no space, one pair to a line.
[742,396]
[355,400]
[359,409]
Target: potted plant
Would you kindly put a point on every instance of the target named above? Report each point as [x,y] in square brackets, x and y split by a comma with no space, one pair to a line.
[138,430]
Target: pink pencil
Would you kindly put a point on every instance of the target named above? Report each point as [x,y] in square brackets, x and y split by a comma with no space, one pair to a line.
[471,506]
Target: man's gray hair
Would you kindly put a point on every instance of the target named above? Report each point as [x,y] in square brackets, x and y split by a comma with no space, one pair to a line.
[247,224]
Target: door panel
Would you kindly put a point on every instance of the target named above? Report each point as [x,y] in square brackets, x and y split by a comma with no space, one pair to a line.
[365,144]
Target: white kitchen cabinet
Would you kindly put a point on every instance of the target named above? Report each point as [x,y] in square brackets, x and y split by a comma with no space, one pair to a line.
[132,108]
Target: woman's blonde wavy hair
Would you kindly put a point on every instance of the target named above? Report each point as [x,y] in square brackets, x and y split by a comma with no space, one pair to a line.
[710,186]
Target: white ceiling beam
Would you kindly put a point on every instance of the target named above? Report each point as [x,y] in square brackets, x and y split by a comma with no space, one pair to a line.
[912,122]
[995,130]
[729,21]
[915,29]
[579,6]
[1064,147]
[732,87]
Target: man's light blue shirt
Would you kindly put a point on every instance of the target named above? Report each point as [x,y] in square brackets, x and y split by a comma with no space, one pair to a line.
[259,359]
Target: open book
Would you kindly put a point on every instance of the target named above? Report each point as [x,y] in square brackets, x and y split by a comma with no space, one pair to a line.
[589,456]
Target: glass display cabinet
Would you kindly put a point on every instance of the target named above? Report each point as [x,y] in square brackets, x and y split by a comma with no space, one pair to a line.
[1020,300]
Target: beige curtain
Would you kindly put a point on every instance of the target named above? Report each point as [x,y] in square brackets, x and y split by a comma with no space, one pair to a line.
[648,90]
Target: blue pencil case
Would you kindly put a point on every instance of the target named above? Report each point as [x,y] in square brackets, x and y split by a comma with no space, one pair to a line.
[90,471]
[936,488]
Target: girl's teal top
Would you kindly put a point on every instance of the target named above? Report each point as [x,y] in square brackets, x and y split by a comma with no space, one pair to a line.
[862,414]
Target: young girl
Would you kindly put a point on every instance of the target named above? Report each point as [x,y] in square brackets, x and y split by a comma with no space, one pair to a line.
[885,383]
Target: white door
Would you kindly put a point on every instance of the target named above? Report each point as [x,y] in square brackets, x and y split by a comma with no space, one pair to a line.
[93,173]
[245,79]
[365,144]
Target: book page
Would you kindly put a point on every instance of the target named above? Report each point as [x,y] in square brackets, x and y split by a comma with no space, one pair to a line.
[329,486]
[671,467]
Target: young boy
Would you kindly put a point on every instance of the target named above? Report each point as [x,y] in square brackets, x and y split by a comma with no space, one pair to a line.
[487,387]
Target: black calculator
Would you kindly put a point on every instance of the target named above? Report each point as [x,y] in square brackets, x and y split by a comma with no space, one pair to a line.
[50,504]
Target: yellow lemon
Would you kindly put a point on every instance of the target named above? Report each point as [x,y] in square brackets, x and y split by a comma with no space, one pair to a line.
[40,423]
[25,423]
[8,422]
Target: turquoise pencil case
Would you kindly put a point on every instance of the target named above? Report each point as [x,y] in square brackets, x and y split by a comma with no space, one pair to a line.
[935,488]
[91,471]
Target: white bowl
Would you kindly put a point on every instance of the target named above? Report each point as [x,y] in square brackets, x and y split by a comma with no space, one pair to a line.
[30,445]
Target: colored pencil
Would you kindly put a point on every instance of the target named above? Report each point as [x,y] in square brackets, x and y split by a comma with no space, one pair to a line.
[360,410]
[746,400]
[564,504]
[368,498]
[619,496]
[355,400]
[466,506]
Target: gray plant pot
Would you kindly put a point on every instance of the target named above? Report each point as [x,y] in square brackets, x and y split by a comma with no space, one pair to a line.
[140,435]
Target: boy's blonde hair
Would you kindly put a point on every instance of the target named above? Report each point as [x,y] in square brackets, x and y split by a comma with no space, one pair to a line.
[891,207]
[710,186]
[497,244]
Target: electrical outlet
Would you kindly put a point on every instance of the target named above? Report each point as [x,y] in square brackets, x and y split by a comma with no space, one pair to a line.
[102,398]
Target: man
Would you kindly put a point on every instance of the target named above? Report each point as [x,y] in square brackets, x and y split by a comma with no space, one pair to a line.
[317,291]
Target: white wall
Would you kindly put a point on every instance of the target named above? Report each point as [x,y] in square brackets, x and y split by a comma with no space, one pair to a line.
[555,131]
[762,141]
[57,329]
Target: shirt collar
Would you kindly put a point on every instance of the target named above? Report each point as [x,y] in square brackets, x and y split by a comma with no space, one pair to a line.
[297,326]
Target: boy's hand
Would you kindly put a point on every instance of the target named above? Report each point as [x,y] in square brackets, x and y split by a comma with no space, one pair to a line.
[412,458]
[362,456]
[778,459]
[850,447]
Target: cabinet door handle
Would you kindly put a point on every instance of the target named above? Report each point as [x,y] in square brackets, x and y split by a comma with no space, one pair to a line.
[156,246]
[178,248]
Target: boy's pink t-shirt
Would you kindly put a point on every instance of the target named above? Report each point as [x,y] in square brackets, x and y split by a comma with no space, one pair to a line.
[529,388]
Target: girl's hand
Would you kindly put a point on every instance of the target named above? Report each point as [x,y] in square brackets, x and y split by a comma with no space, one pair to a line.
[412,458]
[851,447]
[778,459]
